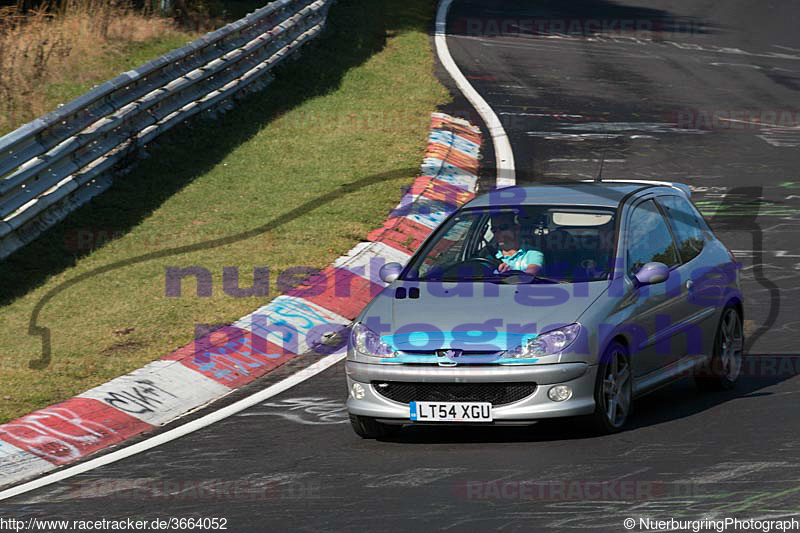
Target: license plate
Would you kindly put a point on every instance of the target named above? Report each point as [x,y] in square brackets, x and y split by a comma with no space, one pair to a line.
[451,411]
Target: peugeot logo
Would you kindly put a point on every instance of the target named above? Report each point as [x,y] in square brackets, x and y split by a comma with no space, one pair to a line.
[450,354]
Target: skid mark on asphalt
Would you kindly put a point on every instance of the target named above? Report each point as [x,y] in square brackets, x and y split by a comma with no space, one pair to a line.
[599,41]
[650,127]
[584,160]
[728,471]
[708,494]
[282,484]
[608,515]
[646,452]
[196,460]
[308,411]
[745,65]
[415,477]
[781,138]
[577,132]
[575,137]
[557,48]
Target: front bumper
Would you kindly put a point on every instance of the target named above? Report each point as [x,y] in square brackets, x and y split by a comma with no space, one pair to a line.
[580,376]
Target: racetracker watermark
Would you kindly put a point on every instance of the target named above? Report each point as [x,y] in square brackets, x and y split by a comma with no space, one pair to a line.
[734,119]
[379,121]
[571,490]
[211,490]
[544,27]
[89,239]
[104,524]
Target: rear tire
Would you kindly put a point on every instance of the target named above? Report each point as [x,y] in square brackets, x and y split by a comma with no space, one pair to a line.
[725,366]
[369,428]
[613,391]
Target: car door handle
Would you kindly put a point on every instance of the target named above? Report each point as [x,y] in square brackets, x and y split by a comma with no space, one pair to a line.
[689,284]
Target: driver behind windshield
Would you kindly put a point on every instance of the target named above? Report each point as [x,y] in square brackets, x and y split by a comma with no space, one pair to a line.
[512,253]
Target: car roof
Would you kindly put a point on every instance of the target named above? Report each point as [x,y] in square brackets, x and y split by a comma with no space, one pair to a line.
[595,194]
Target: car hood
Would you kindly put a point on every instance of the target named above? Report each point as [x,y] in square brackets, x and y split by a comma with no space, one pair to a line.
[495,316]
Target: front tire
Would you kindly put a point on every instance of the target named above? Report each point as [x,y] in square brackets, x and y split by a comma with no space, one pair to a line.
[725,365]
[613,394]
[369,428]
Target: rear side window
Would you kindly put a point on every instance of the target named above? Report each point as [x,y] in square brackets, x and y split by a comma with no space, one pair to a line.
[648,238]
[687,229]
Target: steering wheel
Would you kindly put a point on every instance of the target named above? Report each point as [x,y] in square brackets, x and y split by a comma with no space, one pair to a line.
[488,264]
[483,261]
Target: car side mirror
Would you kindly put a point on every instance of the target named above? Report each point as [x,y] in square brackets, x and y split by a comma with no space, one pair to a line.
[390,272]
[651,273]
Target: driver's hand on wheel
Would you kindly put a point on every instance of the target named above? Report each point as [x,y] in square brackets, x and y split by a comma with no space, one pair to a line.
[502,267]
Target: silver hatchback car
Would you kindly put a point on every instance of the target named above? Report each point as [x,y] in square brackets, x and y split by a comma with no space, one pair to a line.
[548,301]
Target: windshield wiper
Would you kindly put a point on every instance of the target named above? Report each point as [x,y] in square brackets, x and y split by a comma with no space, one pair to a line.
[542,279]
[517,279]
[498,278]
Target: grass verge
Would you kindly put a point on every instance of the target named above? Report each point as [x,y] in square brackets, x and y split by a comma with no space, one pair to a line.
[357,104]
[50,57]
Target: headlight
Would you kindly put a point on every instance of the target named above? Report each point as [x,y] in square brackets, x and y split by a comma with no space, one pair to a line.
[366,342]
[549,343]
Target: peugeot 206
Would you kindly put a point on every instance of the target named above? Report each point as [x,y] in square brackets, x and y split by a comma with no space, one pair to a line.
[548,301]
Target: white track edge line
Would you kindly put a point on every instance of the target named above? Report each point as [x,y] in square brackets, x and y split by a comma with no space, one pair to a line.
[185,429]
[506,172]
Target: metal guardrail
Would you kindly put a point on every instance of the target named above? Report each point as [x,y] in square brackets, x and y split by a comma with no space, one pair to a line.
[54,164]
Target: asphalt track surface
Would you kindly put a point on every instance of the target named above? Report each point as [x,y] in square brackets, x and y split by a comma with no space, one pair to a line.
[690,455]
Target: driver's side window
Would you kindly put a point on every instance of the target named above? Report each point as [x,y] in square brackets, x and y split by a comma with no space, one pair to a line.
[485,246]
[450,248]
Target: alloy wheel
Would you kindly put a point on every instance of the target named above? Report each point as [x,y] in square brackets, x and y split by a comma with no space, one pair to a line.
[617,388]
[731,343]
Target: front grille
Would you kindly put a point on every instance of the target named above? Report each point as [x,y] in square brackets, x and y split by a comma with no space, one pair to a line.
[495,393]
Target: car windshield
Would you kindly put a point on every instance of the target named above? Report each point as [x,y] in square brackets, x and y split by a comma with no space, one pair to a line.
[519,244]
